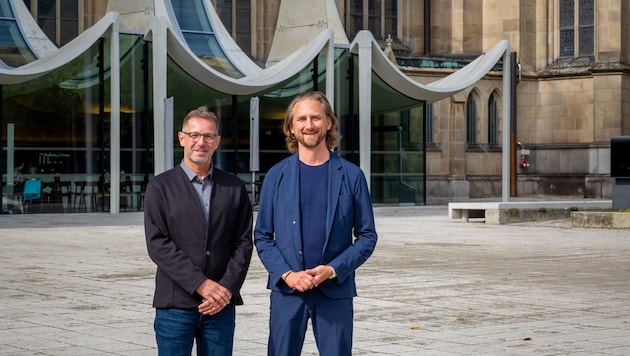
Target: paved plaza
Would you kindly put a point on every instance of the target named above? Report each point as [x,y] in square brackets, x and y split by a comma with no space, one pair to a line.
[82,284]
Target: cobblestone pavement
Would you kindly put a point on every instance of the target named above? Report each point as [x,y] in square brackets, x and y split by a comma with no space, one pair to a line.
[82,284]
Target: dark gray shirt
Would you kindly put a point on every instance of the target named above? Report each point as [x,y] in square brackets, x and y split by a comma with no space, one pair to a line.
[202,187]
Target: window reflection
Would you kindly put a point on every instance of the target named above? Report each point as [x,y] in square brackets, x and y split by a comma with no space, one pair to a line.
[5,9]
[191,15]
[193,21]
[13,49]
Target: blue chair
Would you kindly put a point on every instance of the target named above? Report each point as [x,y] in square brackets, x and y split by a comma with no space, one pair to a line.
[32,191]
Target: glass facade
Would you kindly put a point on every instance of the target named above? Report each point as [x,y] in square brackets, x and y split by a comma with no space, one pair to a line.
[61,123]
[398,155]
[397,144]
[233,111]
[398,148]
[62,129]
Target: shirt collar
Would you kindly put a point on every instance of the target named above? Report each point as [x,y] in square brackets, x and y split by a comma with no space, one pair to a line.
[192,176]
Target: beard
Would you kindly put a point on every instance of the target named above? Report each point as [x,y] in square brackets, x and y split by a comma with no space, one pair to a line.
[312,140]
[200,156]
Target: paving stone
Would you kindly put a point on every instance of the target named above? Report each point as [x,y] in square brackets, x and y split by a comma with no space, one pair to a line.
[82,284]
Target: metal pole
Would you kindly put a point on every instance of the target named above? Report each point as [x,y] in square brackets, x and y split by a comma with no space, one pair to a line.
[507,80]
[254,144]
[513,138]
[114,197]
[365,103]
[10,153]
[159,93]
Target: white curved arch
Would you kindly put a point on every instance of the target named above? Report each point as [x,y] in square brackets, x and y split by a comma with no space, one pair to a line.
[61,56]
[440,89]
[37,40]
[235,54]
[250,84]
[373,60]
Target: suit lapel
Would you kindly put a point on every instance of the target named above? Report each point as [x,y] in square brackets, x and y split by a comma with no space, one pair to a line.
[291,197]
[334,186]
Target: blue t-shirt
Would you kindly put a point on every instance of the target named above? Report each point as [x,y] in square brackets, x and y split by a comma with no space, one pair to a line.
[313,201]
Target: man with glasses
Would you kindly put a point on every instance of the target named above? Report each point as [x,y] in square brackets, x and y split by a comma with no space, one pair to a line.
[198,226]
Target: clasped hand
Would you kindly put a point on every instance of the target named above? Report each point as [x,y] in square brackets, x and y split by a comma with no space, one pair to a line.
[308,279]
[215,297]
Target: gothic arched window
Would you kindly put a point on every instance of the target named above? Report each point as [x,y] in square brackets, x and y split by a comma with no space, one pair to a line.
[471,119]
[493,120]
[577,28]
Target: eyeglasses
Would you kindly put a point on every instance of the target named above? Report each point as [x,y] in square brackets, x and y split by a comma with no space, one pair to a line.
[209,137]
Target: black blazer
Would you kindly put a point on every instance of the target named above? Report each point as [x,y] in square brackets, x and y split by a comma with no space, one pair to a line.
[185,248]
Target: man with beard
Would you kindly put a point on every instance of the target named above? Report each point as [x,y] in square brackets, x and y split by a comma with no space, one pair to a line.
[311,203]
[198,226]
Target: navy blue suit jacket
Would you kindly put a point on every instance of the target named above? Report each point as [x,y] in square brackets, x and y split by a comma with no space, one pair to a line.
[277,234]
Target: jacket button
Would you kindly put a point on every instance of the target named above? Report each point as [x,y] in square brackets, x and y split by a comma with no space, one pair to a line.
[207,252]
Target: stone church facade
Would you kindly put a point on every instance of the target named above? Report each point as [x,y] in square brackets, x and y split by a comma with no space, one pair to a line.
[572,96]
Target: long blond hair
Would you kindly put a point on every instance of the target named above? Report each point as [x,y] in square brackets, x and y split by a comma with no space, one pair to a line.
[332,136]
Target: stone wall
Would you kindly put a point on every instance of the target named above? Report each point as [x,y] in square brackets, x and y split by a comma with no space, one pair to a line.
[566,109]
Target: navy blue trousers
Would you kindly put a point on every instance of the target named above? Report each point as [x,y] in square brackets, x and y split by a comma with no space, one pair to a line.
[331,320]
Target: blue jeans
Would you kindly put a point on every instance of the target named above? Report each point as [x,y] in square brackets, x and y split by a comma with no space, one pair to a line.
[177,329]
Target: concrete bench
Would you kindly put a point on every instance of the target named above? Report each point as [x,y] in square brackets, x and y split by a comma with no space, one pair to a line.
[521,211]
[466,211]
